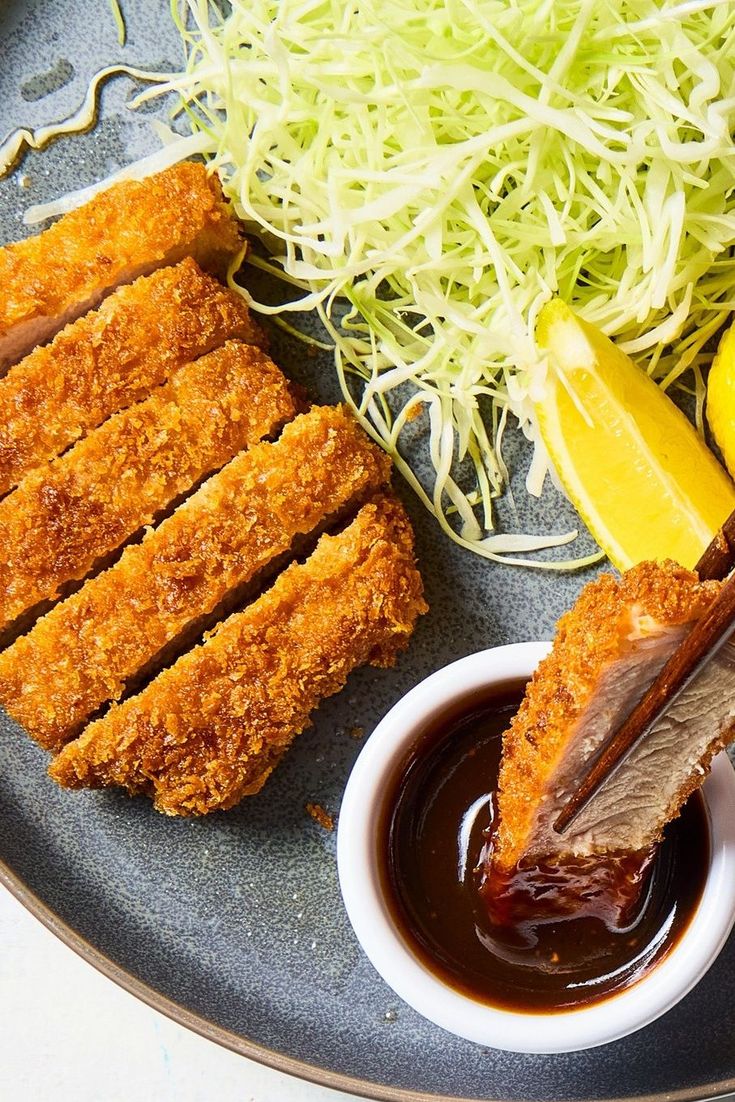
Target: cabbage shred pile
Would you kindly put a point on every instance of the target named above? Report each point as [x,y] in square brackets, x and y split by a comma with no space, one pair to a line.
[430,172]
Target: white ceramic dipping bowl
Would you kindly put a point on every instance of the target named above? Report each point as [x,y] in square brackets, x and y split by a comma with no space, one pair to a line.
[561,1031]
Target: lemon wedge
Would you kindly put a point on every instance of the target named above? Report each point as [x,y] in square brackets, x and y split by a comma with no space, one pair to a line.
[641,477]
[721,398]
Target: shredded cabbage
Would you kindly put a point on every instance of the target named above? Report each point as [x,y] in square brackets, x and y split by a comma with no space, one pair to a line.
[119,19]
[431,172]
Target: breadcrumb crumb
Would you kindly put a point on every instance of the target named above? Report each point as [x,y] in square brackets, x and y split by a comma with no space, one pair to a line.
[320,816]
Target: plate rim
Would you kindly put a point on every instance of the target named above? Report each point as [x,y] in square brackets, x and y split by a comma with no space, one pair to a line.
[252,1050]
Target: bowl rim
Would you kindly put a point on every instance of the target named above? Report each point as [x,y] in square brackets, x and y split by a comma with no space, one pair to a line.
[569,1030]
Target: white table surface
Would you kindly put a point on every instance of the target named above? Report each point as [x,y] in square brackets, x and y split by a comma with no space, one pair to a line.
[68,1033]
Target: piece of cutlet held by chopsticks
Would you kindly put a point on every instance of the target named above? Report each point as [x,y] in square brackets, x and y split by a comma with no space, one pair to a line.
[609,647]
[699,672]
[694,663]
[211,728]
[128,230]
[111,358]
[80,655]
[65,516]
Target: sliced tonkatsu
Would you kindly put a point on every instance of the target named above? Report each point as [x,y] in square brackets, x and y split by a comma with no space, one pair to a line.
[608,650]
[210,729]
[81,654]
[129,230]
[68,514]
[111,358]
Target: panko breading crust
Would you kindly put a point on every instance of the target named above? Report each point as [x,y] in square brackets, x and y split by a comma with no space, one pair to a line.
[590,637]
[131,228]
[80,655]
[210,729]
[66,515]
[111,358]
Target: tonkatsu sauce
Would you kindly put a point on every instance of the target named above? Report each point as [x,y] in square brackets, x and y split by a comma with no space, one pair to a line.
[541,939]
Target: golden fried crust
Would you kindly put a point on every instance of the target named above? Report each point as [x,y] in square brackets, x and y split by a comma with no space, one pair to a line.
[79,655]
[210,729]
[112,358]
[67,514]
[590,637]
[133,227]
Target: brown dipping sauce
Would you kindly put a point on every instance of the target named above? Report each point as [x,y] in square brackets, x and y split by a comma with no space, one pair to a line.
[489,942]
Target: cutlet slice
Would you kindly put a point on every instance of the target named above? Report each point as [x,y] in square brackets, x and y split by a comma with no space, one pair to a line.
[112,358]
[210,729]
[128,230]
[608,650]
[80,655]
[68,514]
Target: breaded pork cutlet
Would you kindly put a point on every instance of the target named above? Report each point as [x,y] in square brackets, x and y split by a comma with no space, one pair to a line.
[608,650]
[68,514]
[111,358]
[80,655]
[211,729]
[128,230]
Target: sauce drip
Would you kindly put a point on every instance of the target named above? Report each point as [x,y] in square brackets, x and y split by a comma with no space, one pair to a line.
[540,939]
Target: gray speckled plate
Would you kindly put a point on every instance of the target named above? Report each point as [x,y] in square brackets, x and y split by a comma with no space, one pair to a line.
[234,924]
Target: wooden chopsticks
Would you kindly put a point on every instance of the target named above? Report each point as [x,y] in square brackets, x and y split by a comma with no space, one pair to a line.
[708,635]
[719,558]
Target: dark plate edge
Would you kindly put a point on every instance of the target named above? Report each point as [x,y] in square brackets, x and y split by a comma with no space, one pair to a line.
[253,1051]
